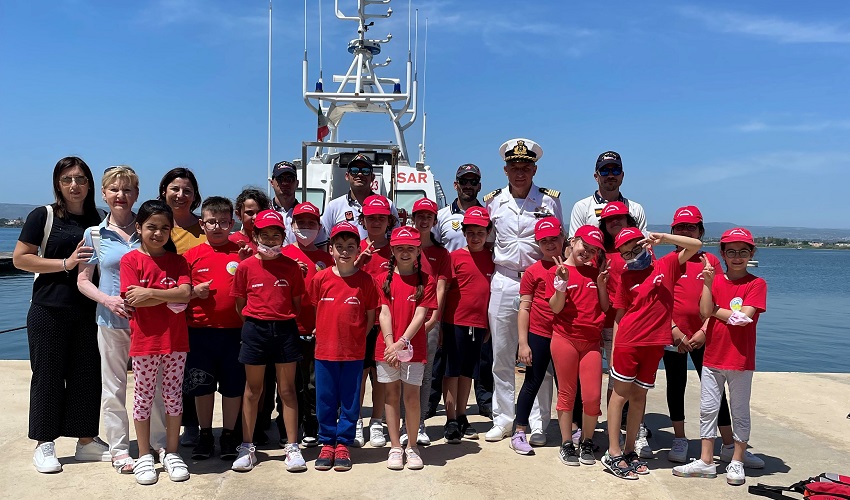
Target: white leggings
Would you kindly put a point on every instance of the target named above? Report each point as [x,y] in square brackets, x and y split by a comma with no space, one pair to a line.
[740,387]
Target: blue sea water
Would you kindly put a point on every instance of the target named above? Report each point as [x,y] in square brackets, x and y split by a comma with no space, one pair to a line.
[803,330]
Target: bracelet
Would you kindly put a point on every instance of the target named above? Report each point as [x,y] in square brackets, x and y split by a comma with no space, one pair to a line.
[673,327]
[64,267]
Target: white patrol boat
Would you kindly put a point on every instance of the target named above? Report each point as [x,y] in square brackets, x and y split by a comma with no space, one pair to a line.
[361,89]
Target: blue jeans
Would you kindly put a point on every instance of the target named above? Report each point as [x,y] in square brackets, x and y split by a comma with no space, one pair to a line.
[338,393]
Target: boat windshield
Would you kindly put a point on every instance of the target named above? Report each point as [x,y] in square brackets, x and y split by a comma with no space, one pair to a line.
[406,197]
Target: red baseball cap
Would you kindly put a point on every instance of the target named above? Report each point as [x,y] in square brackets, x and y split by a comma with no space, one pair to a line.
[614,208]
[591,235]
[476,216]
[738,234]
[686,215]
[546,227]
[424,205]
[306,208]
[345,227]
[405,235]
[269,218]
[376,205]
[626,235]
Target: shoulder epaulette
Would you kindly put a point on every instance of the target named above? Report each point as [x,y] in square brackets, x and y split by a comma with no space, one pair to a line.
[492,194]
[550,192]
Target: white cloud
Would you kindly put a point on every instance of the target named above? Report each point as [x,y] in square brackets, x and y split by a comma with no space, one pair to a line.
[813,126]
[769,27]
[244,22]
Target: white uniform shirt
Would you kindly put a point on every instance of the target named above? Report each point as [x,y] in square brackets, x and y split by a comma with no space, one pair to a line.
[587,210]
[448,230]
[513,222]
[289,238]
[347,208]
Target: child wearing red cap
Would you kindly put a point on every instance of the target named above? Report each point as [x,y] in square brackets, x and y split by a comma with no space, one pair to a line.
[375,252]
[732,303]
[465,321]
[579,298]
[345,298]
[534,321]
[644,304]
[306,223]
[268,289]
[408,296]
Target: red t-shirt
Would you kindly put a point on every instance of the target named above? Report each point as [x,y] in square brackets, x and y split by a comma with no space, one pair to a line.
[437,262]
[616,266]
[238,236]
[581,318]
[218,264]
[468,292]
[378,265]
[402,308]
[687,293]
[156,329]
[734,347]
[342,303]
[316,260]
[533,283]
[268,286]
[647,297]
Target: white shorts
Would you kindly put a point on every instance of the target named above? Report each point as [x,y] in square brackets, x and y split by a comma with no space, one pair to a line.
[409,373]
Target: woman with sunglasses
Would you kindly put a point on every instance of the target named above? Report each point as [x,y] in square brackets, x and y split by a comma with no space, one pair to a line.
[61,328]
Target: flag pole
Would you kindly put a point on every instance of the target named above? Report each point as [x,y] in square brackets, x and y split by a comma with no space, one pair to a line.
[269,142]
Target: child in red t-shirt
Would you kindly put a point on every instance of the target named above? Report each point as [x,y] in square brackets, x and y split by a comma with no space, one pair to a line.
[534,322]
[345,299]
[215,329]
[733,303]
[465,320]
[306,223]
[249,203]
[644,303]
[155,281]
[579,298]
[268,289]
[408,295]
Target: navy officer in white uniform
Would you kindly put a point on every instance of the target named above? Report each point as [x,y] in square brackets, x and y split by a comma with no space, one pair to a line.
[359,174]
[514,211]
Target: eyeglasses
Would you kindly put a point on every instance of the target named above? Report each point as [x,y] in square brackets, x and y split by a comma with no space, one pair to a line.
[223,224]
[116,167]
[81,180]
[606,171]
[686,227]
[631,254]
[359,170]
[468,182]
[745,253]
[286,179]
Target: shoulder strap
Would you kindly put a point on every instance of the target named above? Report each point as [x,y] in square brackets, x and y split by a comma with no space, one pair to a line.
[95,239]
[48,226]
[764,490]
[550,192]
[492,194]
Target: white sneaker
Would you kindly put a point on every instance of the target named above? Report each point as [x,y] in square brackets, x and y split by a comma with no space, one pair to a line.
[422,436]
[679,451]
[735,473]
[44,458]
[403,438]
[496,433]
[359,441]
[696,468]
[144,470]
[95,451]
[750,461]
[294,460]
[376,434]
[537,438]
[642,444]
[175,467]
[246,459]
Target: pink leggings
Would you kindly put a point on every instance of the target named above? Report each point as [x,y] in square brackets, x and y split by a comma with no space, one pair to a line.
[145,369]
[572,359]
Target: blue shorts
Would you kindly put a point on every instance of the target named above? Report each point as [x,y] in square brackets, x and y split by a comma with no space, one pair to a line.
[461,349]
[213,362]
[265,342]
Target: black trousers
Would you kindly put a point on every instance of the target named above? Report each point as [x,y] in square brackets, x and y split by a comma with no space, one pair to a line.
[541,356]
[676,371]
[482,378]
[65,361]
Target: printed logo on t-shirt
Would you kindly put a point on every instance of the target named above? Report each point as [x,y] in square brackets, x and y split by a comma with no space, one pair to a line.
[281,282]
[231,267]
[330,299]
[143,280]
[349,215]
[590,284]
[354,301]
[411,298]
[321,266]
[658,279]
[385,265]
[736,304]
[203,270]
[168,282]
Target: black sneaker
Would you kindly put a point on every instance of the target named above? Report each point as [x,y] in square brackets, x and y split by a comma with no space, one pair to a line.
[227,444]
[586,452]
[326,458]
[568,454]
[452,432]
[205,447]
[342,459]
[466,428]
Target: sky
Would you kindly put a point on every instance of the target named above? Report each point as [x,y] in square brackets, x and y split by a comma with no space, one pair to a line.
[740,108]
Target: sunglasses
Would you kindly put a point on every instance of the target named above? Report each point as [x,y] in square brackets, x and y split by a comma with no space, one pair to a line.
[468,182]
[116,167]
[359,170]
[81,180]
[744,253]
[286,179]
[606,171]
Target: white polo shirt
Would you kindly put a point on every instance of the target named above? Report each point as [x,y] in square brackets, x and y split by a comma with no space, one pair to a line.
[347,208]
[587,210]
[448,230]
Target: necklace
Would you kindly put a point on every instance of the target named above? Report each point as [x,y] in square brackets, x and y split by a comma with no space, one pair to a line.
[120,227]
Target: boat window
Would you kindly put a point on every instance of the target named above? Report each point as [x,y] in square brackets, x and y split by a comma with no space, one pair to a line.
[316,197]
[405,198]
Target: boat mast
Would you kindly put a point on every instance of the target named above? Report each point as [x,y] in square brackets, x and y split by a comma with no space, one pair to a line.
[269,143]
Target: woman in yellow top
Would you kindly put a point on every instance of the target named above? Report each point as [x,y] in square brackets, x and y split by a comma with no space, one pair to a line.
[179,189]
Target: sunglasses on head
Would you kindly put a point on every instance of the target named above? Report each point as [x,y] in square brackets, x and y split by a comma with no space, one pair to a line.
[468,182]
[356,170]
[116,167]
[606,171]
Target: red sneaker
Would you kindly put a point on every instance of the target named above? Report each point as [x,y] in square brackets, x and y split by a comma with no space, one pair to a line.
[326,458]
[342,460]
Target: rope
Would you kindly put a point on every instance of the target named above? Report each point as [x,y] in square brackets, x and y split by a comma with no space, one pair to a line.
[12,329]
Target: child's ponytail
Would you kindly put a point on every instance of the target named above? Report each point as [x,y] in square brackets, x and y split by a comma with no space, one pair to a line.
[420,287]
[389,279]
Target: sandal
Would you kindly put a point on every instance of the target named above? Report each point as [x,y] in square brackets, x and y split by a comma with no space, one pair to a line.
[123,464]
[624,471]
[638,466]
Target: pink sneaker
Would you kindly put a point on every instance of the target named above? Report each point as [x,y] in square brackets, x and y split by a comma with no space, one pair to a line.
[520,444]
[395,461]
[414,461]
